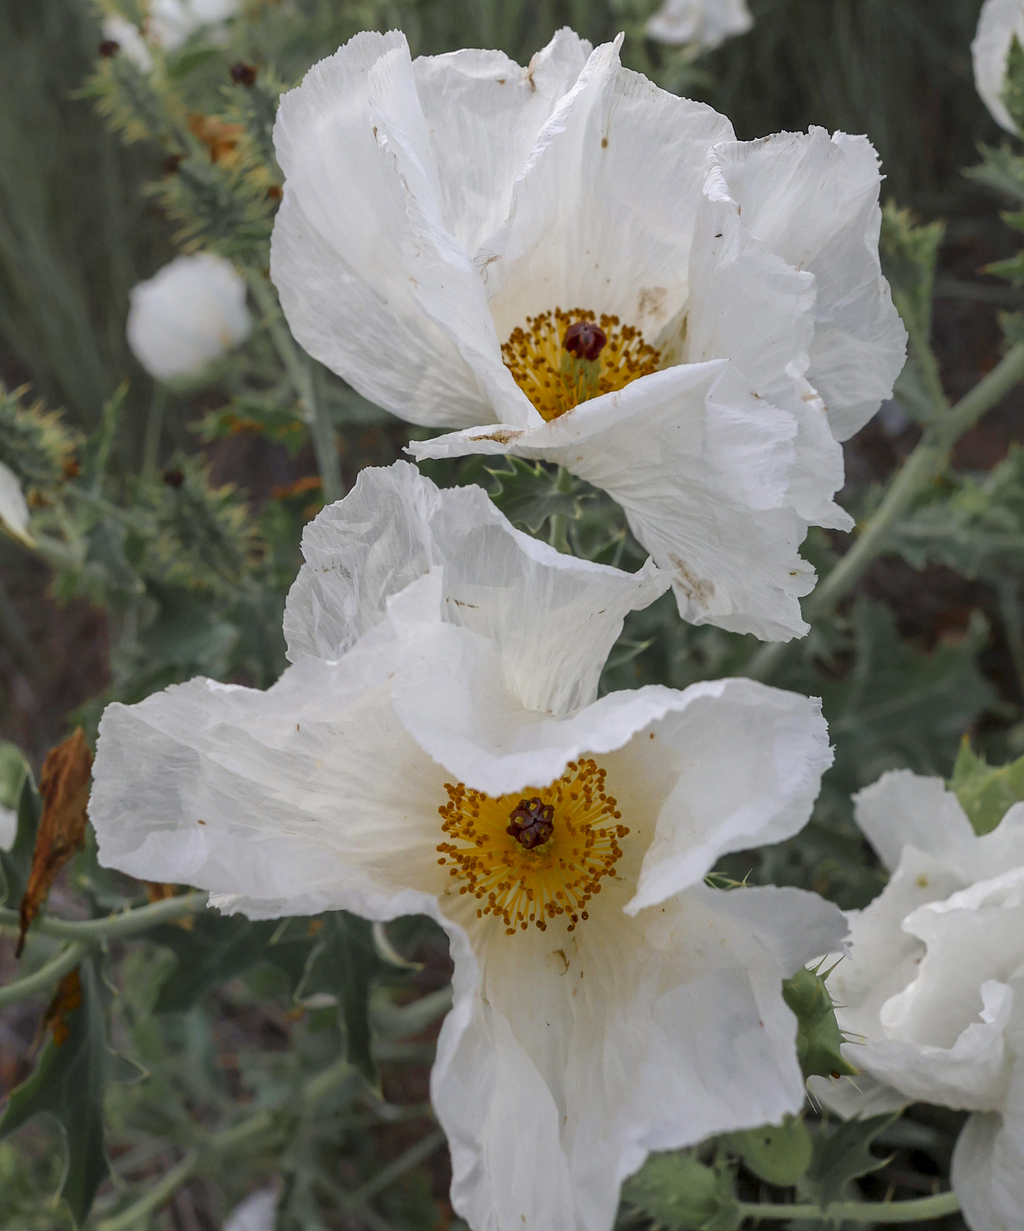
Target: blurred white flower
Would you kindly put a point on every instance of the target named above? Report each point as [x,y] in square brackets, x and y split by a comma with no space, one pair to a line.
[13,506]
[436,748]
[171,22]
[188,314]
[1000,20]
[257,1212]
[704,22]
[571,264]
[128,37]
[933,992]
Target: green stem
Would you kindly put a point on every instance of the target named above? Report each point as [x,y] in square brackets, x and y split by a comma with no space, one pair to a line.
[164,1188]
[919,1210]
[45,977]
[114,927]
[154,428]
[301,374]
[209,1150]
[924,465]
[405,1162]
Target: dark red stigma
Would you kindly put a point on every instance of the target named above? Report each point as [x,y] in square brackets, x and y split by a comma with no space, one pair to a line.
[585,340]
[109,47]
[532,823]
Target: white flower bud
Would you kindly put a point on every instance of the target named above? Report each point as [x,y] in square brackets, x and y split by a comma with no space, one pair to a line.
[187,315]
[705,22]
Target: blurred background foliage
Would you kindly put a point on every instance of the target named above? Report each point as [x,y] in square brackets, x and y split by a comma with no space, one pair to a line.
[168,545]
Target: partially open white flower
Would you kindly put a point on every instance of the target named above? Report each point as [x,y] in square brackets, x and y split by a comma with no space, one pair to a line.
[172,22]
[436,748]
[190,313]
[129,40]
[13,506]
[571,264]
[933,992]
[1000,20]
[703,22]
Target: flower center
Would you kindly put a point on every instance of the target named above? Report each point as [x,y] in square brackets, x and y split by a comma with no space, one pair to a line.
[534,859]
[564,358]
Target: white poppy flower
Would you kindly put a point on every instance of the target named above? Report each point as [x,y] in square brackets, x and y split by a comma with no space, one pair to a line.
[570,264]
[933,992]
[188,314]
[172,22]
[1000,20]
[704,22]
[13,506]
[129,39]
[436,748]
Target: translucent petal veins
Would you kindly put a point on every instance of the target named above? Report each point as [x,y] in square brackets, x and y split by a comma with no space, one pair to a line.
[557,372]
[553,880]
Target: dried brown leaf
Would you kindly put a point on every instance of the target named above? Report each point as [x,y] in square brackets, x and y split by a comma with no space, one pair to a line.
[64,786]
[67,999]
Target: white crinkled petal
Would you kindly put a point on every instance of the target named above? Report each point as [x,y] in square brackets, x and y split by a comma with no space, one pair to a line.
[883,958]
[303,798]
[13,505]
[630,1035]
[602,214]
[371,283]
[813,201]
[906,809]
[484,112]
[974,936]
[999,21]
[750,306]
[702,468]
[554,617]
[453,696]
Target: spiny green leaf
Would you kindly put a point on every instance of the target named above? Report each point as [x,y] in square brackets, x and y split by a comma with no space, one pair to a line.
[985,792]
[345,964]
[909,255]
[529,494]
[778,1153]
[68,1083]
[975,526]
[34,443]
[16,863]
[213,950]
[680,1193]
[818,1037]
[844,1155]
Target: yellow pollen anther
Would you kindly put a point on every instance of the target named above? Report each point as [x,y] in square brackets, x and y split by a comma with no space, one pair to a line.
[556,877]
[556,378]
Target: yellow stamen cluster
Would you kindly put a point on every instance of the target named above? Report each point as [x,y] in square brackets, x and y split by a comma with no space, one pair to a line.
[555,380]
[554,880]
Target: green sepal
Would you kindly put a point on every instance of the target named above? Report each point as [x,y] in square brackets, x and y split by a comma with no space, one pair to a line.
[843,1156]
[680,1193]
[985,792]
[818,1037]
[777,1153]
[68,1083]
[1013,83]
